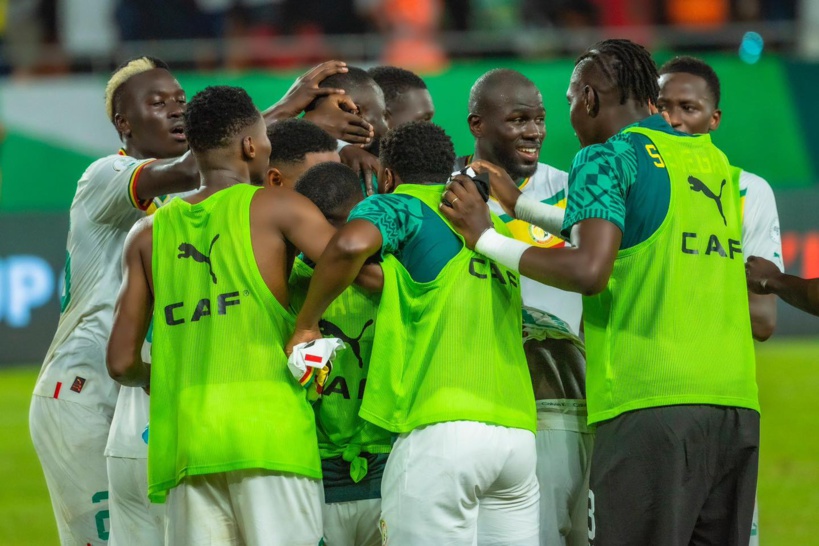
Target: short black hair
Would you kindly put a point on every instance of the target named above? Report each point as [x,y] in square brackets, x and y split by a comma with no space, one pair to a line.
[485,89]
[393,81]
[420,152]
[695,67]
[354,77]
[628,66]
[292,139]
[330,185]
[216,114]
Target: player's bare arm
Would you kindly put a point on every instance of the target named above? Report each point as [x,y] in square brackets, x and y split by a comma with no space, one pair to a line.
[166,176]
[584,268]
[765,278]
[340,264]
[289,216]
[133,310]
[302,223]
[763,315]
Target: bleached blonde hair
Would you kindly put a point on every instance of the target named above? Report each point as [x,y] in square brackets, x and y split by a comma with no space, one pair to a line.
[122,75]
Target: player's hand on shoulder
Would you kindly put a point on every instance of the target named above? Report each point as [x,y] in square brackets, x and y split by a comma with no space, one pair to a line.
[759,272]
[464,207]
[363,163]
[502,187]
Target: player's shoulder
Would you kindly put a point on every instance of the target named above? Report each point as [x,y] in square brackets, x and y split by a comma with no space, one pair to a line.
[387,200]
[608,151]
[753,183]
[111,165]
[547,182]
[547,172]
[144,224]
[386,205]
[617,158]
[140,236]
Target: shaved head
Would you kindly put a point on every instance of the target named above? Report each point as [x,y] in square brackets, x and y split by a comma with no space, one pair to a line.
[508,121]
[494,87]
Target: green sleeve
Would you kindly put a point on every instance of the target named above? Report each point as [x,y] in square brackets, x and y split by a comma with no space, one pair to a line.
[397,217]
[599,180]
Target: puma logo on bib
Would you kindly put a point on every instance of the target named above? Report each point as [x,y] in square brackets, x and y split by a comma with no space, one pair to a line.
[187,250]
[698,185]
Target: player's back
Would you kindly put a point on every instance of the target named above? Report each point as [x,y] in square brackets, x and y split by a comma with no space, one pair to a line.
[222,398]
[676,299]
[103,211]
[419,325]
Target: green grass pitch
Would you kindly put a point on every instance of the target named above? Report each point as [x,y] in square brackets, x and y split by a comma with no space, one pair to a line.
[788,372]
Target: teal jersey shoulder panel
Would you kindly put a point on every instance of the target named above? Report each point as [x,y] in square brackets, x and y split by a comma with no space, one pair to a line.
[602,180]
[412,232]
[649,196]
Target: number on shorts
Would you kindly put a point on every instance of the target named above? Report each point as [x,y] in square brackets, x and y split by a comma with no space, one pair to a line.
[65,298]
[592,525]
[102,515]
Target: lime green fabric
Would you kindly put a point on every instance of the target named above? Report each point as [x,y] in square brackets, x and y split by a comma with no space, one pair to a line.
[672,325]
[449,349]
[351,318]
[222,398]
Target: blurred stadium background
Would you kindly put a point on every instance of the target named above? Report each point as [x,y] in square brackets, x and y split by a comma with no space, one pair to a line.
[55,56]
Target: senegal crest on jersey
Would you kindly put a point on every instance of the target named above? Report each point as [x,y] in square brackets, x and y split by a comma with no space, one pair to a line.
[533,235]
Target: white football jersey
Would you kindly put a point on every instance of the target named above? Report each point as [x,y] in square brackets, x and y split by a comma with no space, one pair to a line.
[760,220]
[128,436]
[104,209]
[547,185]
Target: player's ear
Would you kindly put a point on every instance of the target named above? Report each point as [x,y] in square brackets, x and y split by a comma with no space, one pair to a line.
[716,118]
[274,178]
[248,149]
[122,125]
[591,101]
[386,182]
[475,125]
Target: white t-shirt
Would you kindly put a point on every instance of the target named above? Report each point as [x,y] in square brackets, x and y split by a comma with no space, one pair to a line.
[104,209]
[547,185]
[760,220]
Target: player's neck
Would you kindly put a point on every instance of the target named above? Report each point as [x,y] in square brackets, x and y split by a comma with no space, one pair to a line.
[132,151]
[629,114]
[215,179]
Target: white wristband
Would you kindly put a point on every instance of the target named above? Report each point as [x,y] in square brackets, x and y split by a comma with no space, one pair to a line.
[548,217]
[504,250]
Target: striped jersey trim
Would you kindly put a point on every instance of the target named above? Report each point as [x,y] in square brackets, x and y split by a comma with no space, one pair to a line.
[132,189]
